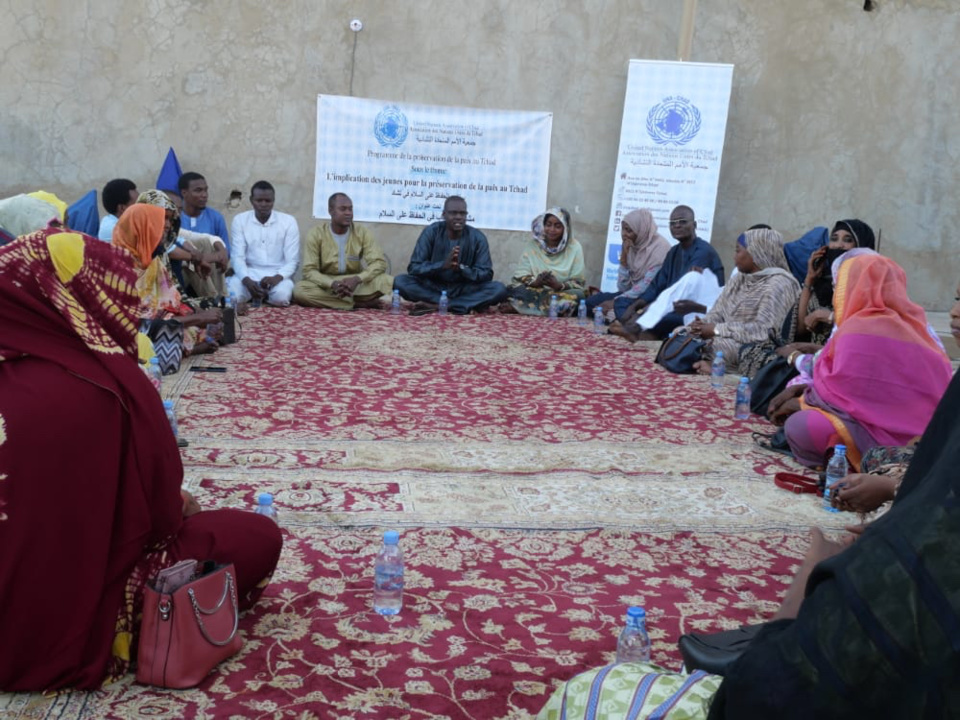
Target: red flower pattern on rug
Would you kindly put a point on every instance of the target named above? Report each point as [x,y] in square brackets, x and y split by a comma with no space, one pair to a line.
[543,478]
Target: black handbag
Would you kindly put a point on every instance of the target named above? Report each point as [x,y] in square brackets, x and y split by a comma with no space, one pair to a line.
[680,352]
[716,652]
[769,382]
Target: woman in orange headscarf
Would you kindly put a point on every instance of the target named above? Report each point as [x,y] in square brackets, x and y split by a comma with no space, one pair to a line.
[144,231]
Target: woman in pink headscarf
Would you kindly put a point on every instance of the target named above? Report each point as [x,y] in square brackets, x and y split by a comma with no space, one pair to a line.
[878,378]
[641,256]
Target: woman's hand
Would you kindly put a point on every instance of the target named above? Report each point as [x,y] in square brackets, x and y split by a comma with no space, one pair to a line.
[550,280]
[190,504]
[818,316]
[801,348]
[785,404]
[864,493]
[702,330]
[208,316]
[815,265]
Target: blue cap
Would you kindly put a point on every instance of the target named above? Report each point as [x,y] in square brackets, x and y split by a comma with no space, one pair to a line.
[391,537]
[745,380]
[636,613]
[168,404]
[265,499]
[719,353]
[154,360]
[839,449]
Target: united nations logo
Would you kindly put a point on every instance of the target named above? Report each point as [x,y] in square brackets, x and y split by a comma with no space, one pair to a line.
[674,121]
[391,127]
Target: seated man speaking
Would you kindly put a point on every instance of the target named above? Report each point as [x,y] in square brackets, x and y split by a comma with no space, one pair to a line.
[343,265]
[450,255]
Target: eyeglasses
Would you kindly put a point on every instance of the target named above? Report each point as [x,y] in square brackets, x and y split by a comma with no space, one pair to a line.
[678,223]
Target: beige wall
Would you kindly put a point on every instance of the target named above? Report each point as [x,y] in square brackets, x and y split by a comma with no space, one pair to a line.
[835,112]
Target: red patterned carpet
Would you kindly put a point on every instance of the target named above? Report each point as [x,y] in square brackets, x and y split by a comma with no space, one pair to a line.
[543,478]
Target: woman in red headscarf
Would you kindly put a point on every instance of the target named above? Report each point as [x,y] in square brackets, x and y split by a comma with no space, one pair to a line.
[90,473]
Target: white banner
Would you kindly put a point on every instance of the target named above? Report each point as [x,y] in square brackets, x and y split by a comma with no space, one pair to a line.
[671,142]
[399,162]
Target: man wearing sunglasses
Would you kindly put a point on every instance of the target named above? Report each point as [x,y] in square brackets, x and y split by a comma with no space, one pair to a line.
[690,254]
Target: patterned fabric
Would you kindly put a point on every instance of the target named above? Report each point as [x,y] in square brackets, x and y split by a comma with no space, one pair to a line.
[160,199]
[754,304]
[536,227]
[89,288]
[633,690]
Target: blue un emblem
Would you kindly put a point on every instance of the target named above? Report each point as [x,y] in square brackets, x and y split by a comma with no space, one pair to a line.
[391,127]
[675,121]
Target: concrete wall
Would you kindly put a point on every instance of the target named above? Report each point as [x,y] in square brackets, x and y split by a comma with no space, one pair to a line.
[836,112]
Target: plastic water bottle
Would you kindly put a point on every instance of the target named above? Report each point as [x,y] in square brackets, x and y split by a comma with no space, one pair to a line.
[598,324]
[388,576]
[582,314]
[153,372]
[171,416]
[717,368]
[395,303]
[742,410]
[553,307]
[836,471]
[266,507]
[444,303]
[633,645]
[232,300]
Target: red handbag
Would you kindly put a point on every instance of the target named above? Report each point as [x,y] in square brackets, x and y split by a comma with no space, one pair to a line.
[797,483]
[186,632]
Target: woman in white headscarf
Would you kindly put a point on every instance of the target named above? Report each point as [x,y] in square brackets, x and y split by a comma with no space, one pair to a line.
[552,265]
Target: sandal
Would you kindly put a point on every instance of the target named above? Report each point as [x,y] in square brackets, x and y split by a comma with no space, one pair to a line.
[775,442]
[422,310]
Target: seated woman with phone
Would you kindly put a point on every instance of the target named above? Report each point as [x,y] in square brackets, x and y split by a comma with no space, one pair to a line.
[810,321]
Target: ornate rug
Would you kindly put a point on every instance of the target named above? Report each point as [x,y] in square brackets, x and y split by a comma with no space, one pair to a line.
[544,478]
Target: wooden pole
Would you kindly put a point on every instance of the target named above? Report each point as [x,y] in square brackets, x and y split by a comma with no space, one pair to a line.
[685,45]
